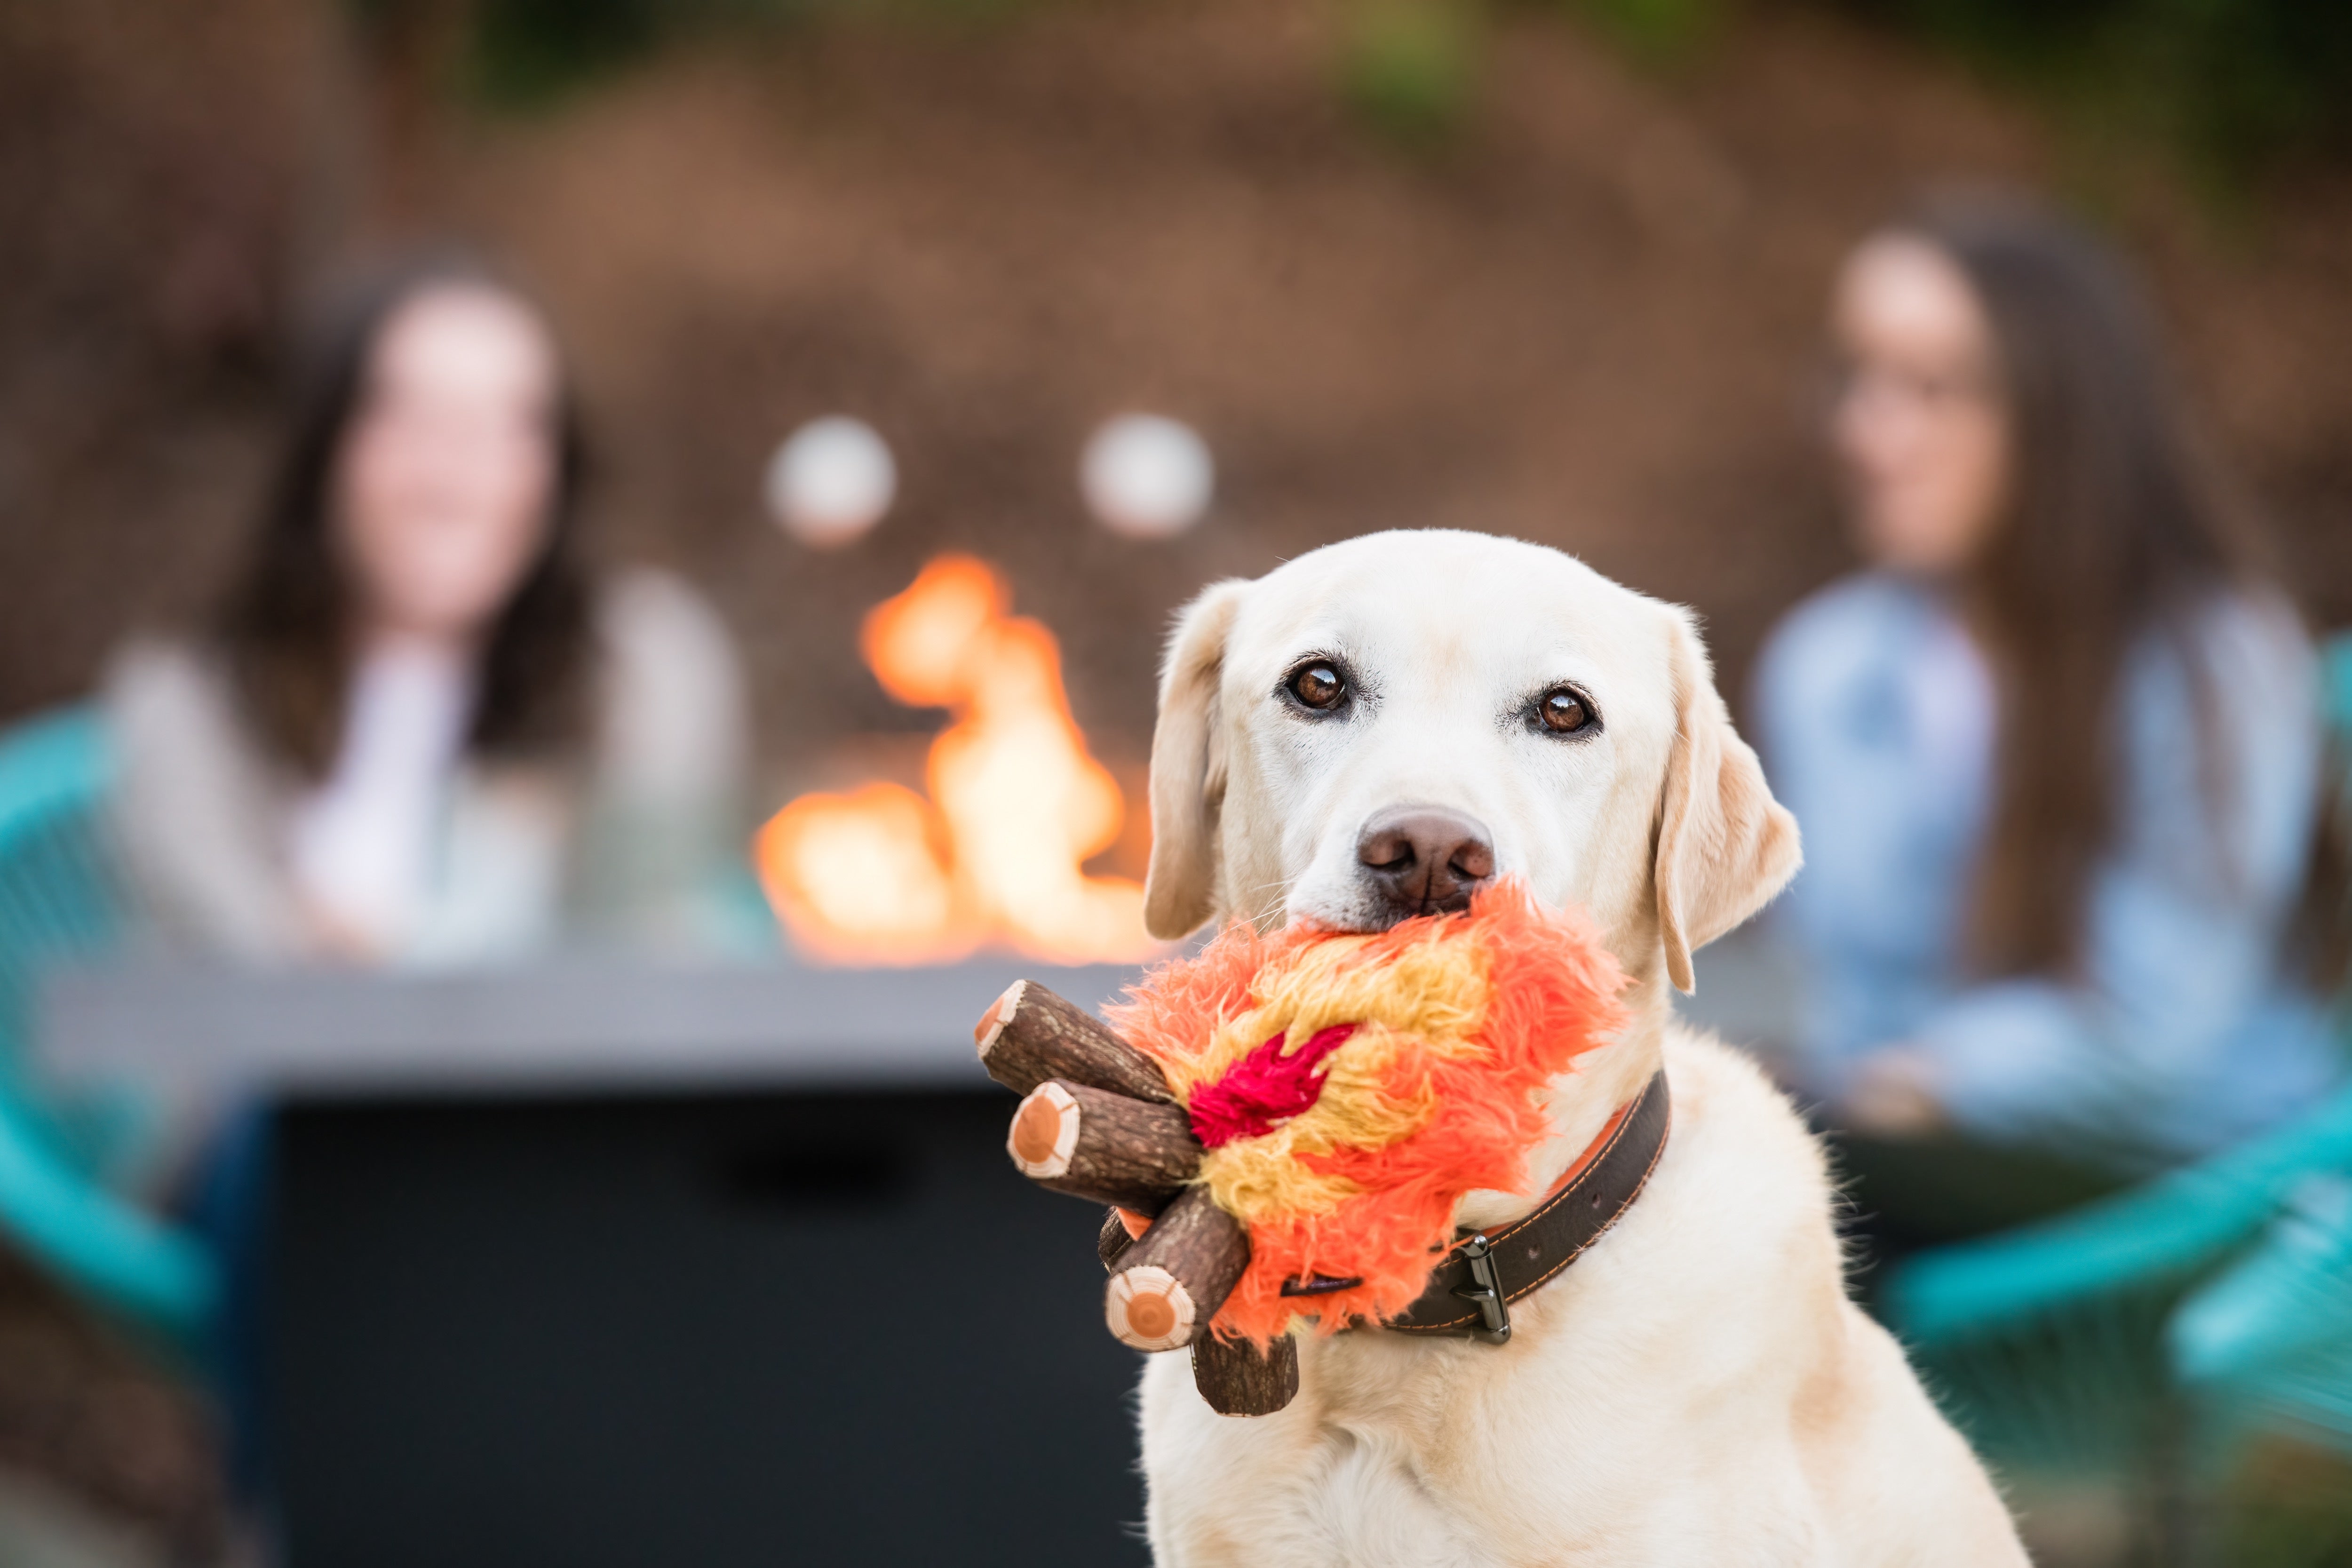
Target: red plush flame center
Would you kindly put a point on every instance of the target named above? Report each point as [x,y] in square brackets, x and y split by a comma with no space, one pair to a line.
[1264,1087]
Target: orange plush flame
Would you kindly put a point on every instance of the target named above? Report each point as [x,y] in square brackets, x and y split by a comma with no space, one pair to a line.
[995,854]
[1434,1042]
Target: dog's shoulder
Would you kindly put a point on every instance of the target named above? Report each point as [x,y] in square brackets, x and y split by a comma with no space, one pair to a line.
[1741,1195]
[1727,1113]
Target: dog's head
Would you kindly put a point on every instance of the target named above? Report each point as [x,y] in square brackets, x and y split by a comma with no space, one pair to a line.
[1380,727]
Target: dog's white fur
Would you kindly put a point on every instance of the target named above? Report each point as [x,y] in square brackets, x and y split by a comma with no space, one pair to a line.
[1698,1389]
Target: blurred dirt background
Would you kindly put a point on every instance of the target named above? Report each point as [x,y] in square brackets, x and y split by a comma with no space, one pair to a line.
[1585,311]
[1588,315]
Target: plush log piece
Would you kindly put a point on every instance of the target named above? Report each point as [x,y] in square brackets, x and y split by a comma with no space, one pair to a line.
[1112,1239]
[1030,1034]
[1348,1089]
[1165,1288]
[1236,1379]
[1097,1122]
[1091,1143]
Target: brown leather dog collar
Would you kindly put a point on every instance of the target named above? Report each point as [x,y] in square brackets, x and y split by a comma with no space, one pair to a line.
[1487,1270]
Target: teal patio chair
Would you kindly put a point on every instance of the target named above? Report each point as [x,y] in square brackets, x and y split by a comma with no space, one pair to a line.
[2081,1341]
[61,901]
[2267,1343]
[2148,1333]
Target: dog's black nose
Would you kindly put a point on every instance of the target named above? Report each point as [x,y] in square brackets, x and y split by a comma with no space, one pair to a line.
[1424,860]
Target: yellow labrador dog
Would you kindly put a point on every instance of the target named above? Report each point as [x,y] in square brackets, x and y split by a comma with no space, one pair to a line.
[1371,732]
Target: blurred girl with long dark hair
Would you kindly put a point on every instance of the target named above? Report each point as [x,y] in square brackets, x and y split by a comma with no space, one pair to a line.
[419,730]
[2056,755]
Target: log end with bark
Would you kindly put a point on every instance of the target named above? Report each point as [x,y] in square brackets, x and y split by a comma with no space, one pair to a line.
[1097,1120]
[1149,1309]
[1168,1285]
[1236,1378]
[985,1033]
[1114,1238]
[1029,1035]
[1045,1131]
[1090,1143]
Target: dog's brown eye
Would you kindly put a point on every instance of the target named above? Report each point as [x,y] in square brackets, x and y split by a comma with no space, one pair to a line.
[1318,685]
[1562,711]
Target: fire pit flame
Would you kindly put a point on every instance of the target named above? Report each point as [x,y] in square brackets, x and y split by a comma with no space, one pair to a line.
[880,875]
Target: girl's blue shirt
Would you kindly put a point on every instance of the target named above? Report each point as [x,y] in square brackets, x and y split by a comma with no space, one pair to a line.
[2182,1031]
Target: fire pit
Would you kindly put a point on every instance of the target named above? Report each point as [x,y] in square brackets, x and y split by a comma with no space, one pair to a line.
[993,854]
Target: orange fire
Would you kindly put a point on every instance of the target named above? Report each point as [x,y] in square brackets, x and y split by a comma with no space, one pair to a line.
[882,875]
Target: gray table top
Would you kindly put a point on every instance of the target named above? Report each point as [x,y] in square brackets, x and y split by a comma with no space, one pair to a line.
[578,1023]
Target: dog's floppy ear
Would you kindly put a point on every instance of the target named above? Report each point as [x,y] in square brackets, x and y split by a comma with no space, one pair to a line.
[1725,845]
[1188,767]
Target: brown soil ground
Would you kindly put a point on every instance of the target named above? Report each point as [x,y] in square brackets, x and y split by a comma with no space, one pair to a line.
[1591,320]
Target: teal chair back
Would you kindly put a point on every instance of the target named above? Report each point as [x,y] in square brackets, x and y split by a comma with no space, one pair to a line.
[62,902]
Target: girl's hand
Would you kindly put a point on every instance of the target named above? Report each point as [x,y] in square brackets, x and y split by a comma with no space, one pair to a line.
[1894,1095]
[332,938]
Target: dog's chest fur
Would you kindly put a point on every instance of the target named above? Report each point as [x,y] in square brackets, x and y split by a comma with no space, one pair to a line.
[1409,1451]
[1344,1480]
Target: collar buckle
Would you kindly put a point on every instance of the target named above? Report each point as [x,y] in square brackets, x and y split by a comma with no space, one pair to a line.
[1484,1290]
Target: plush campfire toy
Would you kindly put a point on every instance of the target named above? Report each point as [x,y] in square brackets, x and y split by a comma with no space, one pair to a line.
[1291,1117]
